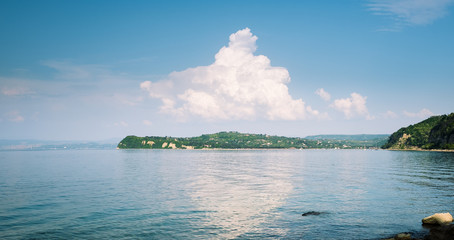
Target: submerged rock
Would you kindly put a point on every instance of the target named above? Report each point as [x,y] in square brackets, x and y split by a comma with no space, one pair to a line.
[401,236]
[445,232]
[438,219]
[311,213]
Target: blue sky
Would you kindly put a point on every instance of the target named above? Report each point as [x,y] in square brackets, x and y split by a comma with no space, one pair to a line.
[94,70]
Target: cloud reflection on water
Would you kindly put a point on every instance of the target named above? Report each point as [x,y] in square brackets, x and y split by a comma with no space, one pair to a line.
[239,198]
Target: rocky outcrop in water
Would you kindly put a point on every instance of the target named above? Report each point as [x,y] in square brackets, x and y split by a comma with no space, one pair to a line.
[444,232]
[439,225]
[438,219]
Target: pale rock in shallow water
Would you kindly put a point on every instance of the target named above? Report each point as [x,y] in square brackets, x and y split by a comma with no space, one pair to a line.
[403,236]
[400,236]
[438,218]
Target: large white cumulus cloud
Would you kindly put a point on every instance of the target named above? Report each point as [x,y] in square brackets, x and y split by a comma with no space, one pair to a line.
[238,85]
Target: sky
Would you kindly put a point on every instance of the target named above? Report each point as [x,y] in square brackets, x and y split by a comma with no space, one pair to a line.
[97,70]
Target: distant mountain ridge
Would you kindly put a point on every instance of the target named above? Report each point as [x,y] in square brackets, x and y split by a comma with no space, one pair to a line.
[236,140]
[355,137]
[436,132]
[29,144]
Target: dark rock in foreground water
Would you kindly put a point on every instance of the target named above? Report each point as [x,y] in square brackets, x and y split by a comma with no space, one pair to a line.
[445,232]
[312,213]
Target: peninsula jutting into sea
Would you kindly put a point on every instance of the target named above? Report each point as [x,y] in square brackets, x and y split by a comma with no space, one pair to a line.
[436,132]
[236,140]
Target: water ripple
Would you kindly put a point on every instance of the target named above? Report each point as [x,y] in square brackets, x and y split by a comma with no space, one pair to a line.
[220,194]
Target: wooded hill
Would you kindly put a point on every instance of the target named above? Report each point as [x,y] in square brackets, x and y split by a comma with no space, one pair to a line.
[236,140]
[436,132]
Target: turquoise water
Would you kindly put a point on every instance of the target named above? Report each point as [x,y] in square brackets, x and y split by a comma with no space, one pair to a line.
[247,194]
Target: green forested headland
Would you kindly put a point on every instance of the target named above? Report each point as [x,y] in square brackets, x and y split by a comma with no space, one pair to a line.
[236,140]
[436,132]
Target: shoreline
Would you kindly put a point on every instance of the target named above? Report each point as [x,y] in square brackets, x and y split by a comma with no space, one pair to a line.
[301,149]
[422,150]
[237,149]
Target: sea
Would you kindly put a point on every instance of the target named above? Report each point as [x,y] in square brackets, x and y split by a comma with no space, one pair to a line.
[221,194]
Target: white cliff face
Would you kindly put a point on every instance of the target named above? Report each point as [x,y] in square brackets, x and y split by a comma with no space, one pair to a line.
[438,218]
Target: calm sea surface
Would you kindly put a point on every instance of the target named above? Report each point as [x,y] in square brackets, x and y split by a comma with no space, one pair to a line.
[247,194]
